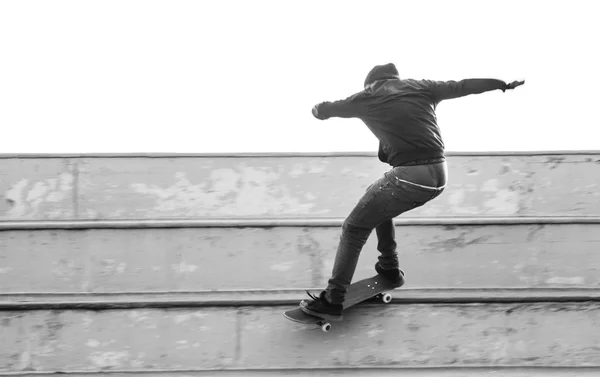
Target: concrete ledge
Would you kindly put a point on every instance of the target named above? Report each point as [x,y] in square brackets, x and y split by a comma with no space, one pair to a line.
[299,186]
[132,300]
[285,154]
[474,371]
[285,222]
[203,259]
[419,335]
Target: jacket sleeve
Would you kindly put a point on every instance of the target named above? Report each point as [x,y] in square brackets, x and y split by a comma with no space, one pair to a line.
[442,90]
[351,107]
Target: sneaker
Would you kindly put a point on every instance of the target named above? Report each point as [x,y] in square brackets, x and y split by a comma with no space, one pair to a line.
[395,276]
[320,307]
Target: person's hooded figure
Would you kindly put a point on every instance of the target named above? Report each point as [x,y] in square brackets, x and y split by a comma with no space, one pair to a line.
[401,113]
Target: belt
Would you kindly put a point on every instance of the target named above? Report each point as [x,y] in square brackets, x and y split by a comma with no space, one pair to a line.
[429,161]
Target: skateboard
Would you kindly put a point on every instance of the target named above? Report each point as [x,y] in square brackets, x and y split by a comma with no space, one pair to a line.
[362,290]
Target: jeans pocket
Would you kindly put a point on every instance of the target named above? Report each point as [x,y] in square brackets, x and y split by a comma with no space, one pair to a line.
[399,201]
[373,193]
[406,197]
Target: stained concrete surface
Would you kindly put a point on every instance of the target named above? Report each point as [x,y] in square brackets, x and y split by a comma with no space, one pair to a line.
[330,187]
[365,372]
[42,189]
[259,337]
[146,260]
[143,188]
[109,260]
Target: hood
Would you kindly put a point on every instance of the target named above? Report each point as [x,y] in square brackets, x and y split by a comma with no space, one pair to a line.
[382,72]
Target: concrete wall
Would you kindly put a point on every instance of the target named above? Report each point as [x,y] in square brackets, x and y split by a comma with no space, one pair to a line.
[182,259]
[259,337]
[309,186]
[43,266]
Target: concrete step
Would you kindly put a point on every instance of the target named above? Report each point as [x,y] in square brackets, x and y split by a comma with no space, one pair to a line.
[280,297]
[368,372]
[524,335]
[292,185]
[473,255]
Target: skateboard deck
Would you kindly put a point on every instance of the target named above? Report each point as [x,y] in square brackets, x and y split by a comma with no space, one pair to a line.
[362,290]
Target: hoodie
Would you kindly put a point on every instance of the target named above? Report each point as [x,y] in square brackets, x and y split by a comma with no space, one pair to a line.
[401,113]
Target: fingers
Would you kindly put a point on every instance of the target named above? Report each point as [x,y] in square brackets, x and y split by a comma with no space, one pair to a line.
[514,84]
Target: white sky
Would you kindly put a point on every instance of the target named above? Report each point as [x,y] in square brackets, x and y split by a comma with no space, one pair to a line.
[242,76]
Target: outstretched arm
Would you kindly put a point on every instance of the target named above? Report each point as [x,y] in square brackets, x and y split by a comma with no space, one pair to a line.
[350,107]
[443,90]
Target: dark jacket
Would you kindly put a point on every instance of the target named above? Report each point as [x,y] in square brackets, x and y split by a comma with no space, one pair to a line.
[401,113]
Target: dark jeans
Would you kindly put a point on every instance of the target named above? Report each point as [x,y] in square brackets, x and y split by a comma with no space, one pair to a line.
[385,199]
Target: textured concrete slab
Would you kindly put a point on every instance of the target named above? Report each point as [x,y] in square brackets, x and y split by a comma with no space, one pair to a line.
[419,335]
[526,335]
[191,259]
[49,261]
[36,189]
[330,186]
[375,372]
[221,187]
[168,187]
[121,339]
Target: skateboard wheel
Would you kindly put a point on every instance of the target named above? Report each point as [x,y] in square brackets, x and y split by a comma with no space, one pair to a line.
[387,298]
[326,327]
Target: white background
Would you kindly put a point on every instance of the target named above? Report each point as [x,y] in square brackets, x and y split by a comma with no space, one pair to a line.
[242,76]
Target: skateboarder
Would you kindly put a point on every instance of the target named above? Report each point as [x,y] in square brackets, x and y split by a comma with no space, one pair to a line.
[401,114]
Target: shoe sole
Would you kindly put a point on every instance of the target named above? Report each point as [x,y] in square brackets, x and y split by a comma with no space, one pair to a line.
[329,317]
[402,280]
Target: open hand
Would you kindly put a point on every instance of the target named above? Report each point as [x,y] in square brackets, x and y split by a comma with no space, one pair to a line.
[514,84]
